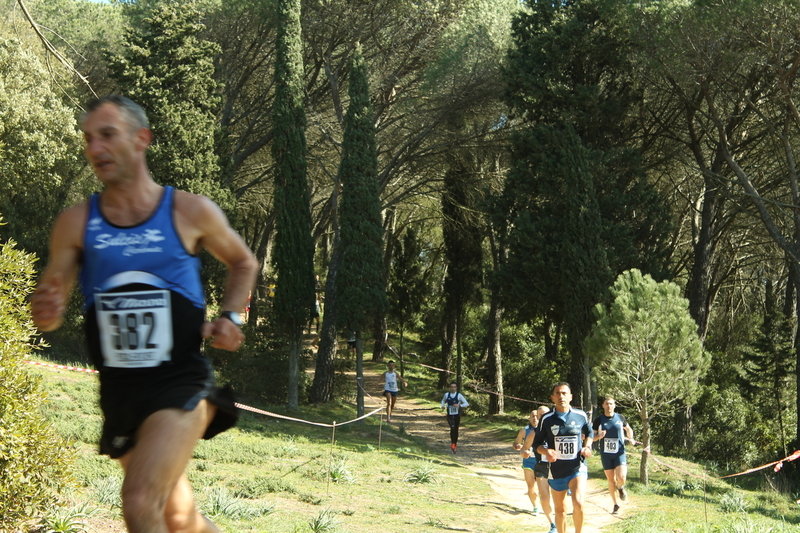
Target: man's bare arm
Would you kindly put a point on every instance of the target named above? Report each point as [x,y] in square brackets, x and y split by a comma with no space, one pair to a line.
[204,224]
[50,297]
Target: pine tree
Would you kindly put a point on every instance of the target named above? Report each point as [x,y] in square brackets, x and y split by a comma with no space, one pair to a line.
[646,350]
[361,290]
[294,246]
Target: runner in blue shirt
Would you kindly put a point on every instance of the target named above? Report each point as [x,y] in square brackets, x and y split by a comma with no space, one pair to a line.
[540,469]
[612,430]
[135,246]
[529,459]
[565,438]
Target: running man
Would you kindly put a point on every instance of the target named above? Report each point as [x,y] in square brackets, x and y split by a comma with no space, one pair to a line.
[452,402]
[135,248]
[565,439]
[390,388]
[612,430]
[541,469]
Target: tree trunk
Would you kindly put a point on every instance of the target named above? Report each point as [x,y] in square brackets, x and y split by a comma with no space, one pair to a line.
[324,373]
[644,477]
[262,254]
[552,340]
[448,342]
[459,320]
[381,327]
[789,303]
[794,273]
[496,401]
[400,356]
[576,369]
[700,279]
[381,335]
[359,375]
[295,345]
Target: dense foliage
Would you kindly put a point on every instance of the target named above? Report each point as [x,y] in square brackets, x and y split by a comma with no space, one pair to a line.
[34,462]
[38,146]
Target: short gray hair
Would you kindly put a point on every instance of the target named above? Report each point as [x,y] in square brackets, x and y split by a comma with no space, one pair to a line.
[132,110]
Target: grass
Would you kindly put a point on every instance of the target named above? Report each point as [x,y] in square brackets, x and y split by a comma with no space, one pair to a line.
[280,476]
[285,477]
[686,497]
[67,519]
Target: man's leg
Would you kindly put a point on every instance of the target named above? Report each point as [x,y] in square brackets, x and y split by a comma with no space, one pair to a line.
[544,499]
[577,486]
[181,514]
[452,421]
[612,485]
[156,496]
[620,477]
[389,405]
[561,513]
[530,480]
[393,400]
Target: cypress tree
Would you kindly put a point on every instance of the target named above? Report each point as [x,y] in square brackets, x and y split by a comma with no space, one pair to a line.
[361,291]
[167,70]
[463,254]
[294,245]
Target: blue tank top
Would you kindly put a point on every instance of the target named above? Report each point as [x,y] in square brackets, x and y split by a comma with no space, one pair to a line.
[536,455]
[151,253]
[613,443]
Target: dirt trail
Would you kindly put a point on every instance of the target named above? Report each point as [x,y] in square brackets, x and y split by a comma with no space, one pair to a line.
[492,458]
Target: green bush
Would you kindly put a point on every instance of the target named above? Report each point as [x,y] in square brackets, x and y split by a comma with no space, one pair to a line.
[34,462]
[718,416]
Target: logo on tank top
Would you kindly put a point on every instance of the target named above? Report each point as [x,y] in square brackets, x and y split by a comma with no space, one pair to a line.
[132,243]
[94,224]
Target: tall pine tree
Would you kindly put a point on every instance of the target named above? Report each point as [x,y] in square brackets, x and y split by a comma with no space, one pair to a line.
[361,290]
[294,246]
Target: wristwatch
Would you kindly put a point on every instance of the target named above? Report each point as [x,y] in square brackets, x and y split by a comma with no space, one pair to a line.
[232,316]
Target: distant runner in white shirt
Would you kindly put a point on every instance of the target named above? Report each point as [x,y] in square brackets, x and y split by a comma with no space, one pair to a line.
[452,402]
[390,389]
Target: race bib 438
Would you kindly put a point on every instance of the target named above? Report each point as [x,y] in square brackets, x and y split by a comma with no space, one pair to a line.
[567,447]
